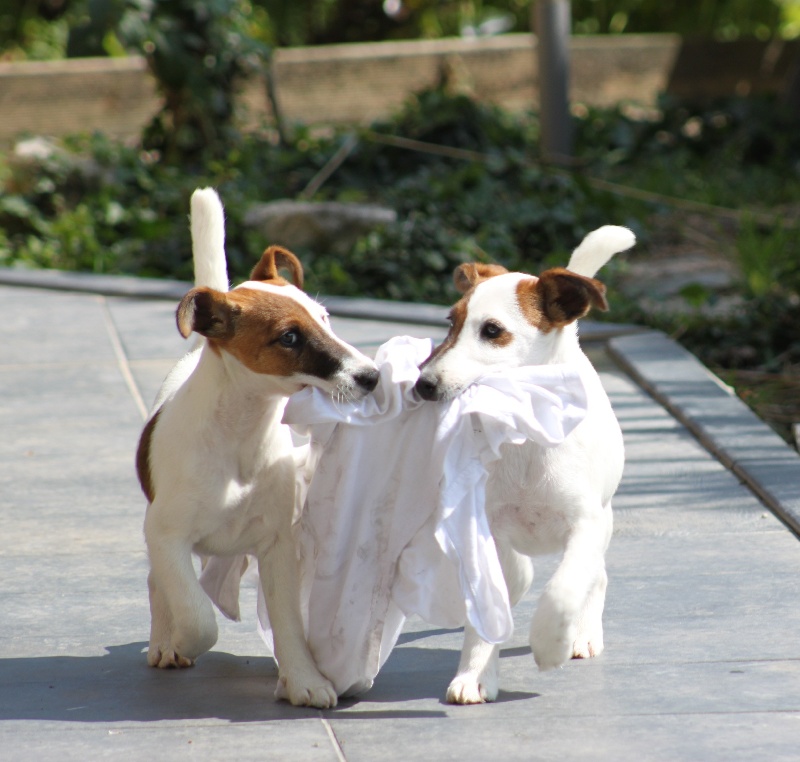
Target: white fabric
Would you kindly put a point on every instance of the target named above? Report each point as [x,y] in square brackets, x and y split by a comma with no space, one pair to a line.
[394,521]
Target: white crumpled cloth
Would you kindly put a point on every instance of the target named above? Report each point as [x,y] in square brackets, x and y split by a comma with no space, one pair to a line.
[394,519]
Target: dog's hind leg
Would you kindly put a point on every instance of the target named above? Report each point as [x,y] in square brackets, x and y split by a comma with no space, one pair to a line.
[183,625]
[576,588]
[476,681]
[161,629]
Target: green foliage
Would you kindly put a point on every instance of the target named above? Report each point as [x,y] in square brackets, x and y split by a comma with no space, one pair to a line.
[94,204]
[738,153]
[35,29]
[101,206]
[768,259]
[506,209]
[723,19]
[199,54]
[48,29]
[315,22]
[734,152]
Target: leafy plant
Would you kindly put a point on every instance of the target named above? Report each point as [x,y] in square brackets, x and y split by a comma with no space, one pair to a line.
[733,152]
[199,54]
[769,259]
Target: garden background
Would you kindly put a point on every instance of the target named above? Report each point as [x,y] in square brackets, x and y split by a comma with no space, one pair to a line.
[710,185]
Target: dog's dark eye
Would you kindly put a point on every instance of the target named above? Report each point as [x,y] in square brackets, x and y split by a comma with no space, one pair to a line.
[492,330]
[289,339]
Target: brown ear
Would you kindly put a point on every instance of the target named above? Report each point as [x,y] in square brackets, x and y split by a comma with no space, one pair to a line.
[565,296]
[274,259]
[467,275]
[207,312]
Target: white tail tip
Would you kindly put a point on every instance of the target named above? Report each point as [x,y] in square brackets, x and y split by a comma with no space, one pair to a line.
[208,240]
[598,247]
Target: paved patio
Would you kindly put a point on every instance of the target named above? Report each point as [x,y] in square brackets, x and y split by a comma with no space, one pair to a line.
[702,657]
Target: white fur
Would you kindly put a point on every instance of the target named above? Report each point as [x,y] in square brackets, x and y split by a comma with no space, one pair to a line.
[542,500]
[223,482]
[208,240]
[598,247]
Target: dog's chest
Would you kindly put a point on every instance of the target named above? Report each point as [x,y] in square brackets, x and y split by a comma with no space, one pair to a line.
[252,500]
[525,500]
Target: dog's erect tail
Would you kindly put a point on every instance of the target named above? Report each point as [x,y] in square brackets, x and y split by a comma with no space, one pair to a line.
[598,247]
[208,240]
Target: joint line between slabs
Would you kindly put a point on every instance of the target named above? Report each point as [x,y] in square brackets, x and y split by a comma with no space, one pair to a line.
[122,360]
[335,741]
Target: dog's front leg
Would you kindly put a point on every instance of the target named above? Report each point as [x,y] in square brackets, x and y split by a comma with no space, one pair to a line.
[568,618]
[477,678]
[183,625]
[299,680]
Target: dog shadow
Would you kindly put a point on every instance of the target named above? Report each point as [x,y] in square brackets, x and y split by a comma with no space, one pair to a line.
[118,686]
[414,673]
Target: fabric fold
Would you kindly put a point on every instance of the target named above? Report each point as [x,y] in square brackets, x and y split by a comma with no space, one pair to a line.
[394,521]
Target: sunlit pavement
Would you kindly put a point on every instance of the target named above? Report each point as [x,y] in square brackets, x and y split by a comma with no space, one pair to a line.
[702,657]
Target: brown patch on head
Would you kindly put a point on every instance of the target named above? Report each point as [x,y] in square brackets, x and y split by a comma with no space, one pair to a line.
[206,311]
[468,275]
[457,317]
[559,297]
[267,332]
[143,458]
[277,258]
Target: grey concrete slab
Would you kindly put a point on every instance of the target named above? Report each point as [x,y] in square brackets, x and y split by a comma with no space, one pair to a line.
[701,657]
[147,329]
[727,427]
[265,741]
[656,738]
[50,329]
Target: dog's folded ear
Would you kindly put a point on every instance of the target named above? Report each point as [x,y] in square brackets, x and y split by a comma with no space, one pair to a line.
[206,311]
[277,258]
[564,296]
[467,275]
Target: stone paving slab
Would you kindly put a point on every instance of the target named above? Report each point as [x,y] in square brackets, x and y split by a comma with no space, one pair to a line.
[730,430]
[701,662]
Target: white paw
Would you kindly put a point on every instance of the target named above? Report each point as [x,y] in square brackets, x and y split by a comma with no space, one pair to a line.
[166,658]
[316,692]
[551,640]
[470,688]
[587,647]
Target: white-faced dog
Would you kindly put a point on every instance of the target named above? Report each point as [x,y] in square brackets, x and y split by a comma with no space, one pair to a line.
[214,459]
[539,500]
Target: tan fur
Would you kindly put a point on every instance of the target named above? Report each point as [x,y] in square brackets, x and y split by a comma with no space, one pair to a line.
[143,469]
[471,273]
[274,259]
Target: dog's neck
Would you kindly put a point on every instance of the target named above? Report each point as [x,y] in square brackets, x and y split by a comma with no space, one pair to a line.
[245,403]
[559,345]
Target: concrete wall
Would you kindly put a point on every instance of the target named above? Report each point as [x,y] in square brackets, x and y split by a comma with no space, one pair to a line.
[345,83]
[114,95]
[340,84]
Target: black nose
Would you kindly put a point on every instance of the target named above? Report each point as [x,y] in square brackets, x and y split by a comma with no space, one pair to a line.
[368,379]
[426,388]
